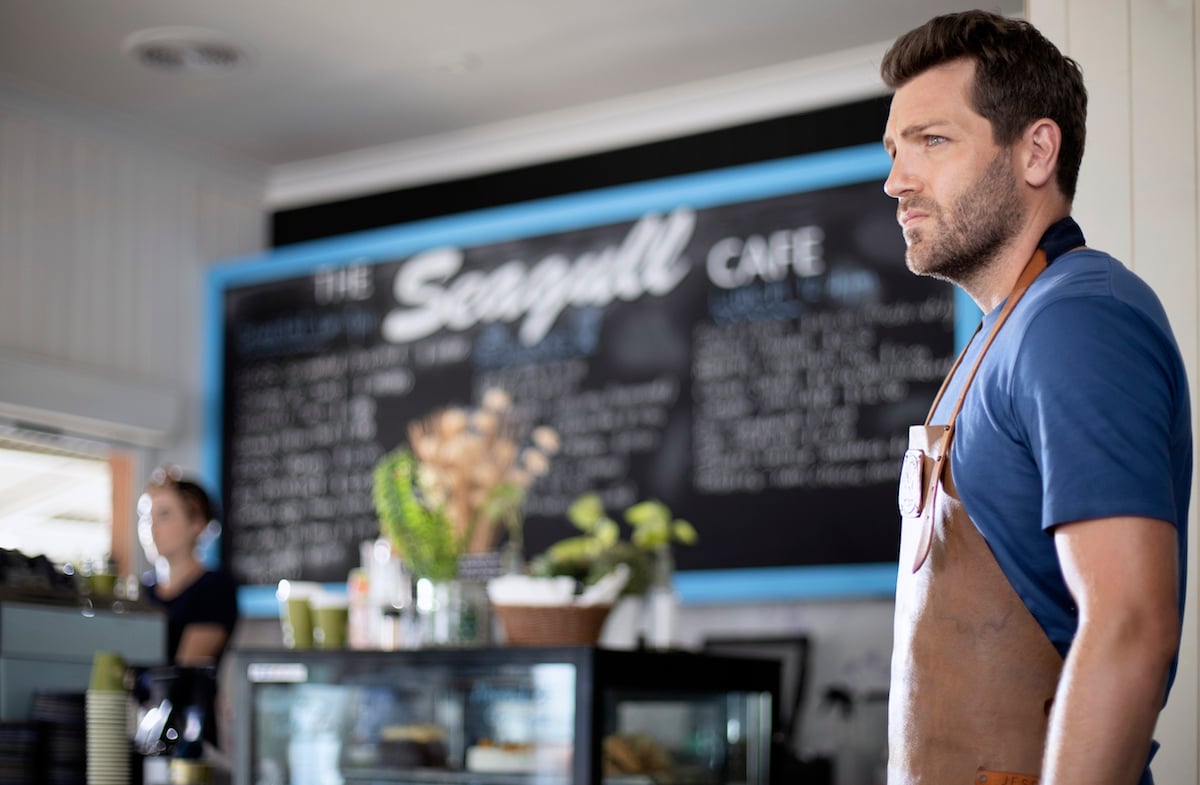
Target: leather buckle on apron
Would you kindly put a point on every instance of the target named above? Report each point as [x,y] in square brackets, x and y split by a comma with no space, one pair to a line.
[921,499]
[988,777]
[911,495]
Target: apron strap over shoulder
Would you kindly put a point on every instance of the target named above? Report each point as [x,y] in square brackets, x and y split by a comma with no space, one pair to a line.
[1034,268]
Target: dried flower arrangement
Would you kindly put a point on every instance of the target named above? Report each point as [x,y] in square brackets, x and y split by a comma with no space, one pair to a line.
[461,479]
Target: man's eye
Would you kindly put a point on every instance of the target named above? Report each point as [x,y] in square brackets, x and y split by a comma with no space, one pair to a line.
[934,140]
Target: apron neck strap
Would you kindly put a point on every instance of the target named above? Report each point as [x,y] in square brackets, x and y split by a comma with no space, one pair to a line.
[1032,270]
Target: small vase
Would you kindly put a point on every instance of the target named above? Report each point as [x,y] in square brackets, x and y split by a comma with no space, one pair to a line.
[661,603]
[455,613]
[512,558]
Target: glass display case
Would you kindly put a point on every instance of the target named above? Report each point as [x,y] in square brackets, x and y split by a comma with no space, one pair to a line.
[501,716]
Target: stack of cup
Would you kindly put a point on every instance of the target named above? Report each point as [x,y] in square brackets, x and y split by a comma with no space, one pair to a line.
[108,749]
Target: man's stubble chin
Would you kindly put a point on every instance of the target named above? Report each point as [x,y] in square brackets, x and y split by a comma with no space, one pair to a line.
[917,257]
[971,235]
[914,252]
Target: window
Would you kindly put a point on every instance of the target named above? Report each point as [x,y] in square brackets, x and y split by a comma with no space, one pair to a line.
[57,498]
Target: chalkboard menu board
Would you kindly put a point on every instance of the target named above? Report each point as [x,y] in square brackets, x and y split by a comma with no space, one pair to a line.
[746,345]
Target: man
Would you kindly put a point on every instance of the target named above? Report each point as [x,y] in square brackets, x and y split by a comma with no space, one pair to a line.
[1039,599]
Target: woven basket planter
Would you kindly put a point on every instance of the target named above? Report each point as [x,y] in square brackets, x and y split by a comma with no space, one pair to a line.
[552,625]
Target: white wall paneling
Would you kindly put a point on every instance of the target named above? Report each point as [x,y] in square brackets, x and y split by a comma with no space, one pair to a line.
[1138,200]
[1099,39]
[1162,144]
[104,239]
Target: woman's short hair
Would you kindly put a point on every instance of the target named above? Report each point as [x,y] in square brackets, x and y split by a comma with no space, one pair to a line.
[195,499]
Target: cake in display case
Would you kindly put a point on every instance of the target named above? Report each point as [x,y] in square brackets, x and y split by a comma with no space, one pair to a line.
[502,716]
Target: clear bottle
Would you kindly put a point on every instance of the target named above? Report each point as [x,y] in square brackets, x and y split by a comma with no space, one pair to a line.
[661,602]
[358,621]
[390,591]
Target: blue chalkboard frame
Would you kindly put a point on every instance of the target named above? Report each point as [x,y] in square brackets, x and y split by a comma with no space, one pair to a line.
[814,171]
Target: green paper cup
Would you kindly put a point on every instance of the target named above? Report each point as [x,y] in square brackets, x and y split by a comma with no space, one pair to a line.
[329,620]
[295,614]
[102,583]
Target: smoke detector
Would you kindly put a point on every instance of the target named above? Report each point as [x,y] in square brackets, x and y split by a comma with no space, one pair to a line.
[185,50]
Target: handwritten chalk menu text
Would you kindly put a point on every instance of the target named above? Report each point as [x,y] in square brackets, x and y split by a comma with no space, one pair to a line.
[754,365]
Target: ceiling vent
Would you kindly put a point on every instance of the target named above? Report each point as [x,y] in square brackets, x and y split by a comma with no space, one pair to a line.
[185,50]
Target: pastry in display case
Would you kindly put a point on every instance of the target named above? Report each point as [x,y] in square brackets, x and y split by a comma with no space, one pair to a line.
[501,716]
[412,747]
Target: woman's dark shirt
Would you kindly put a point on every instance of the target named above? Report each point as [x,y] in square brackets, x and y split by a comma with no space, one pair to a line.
[211,599]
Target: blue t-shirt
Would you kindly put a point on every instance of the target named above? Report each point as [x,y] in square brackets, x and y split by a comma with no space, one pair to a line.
[1080,410]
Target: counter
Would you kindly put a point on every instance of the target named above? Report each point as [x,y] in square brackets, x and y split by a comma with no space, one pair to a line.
[49,647]
[502,716]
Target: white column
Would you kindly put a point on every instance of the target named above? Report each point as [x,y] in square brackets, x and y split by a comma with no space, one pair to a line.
[1138,200]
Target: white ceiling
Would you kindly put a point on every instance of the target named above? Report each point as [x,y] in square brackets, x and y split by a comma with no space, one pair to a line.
[328,76]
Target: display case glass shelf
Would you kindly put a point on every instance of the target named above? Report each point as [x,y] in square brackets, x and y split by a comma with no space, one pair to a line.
[502,716]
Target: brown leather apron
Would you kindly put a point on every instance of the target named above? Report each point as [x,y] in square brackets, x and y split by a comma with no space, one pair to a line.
[973,674]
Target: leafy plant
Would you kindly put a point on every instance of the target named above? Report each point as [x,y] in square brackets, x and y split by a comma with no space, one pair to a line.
[420,530]
[654,527]
[595,552]
[462,476]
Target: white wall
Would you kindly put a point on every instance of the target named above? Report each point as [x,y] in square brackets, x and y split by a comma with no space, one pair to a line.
[1138,200]
[104,239]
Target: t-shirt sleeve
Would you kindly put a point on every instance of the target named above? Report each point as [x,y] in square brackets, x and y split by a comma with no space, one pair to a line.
[1093,389]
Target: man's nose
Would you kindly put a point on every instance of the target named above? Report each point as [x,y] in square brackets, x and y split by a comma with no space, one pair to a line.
[900,180]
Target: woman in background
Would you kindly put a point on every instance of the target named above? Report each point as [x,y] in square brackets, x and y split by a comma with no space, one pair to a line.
[201,605]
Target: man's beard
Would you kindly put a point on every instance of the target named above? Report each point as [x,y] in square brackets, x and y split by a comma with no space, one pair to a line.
[969,236]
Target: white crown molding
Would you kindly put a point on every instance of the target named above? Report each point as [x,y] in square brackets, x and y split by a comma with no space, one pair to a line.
[638,119]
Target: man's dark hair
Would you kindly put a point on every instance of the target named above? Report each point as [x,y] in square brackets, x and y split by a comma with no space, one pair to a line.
[1020,77]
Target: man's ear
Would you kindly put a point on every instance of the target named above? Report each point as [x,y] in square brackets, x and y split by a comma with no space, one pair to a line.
[1042,142]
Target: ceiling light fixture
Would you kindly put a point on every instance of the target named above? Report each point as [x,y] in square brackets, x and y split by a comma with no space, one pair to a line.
[185,50]
[456,63]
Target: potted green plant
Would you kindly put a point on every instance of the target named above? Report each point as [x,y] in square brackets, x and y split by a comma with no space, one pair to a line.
[451,491]
[412,521]
[598,548]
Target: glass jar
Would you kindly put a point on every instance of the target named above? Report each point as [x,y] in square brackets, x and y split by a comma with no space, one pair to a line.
[454,613]
[661,603]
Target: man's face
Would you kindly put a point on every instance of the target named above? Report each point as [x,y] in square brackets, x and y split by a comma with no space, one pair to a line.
[959,205]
